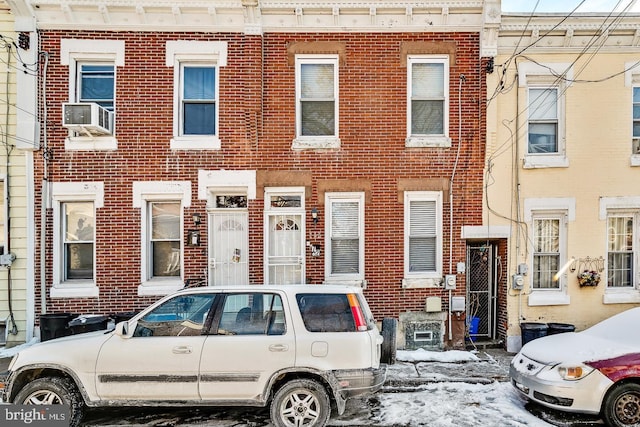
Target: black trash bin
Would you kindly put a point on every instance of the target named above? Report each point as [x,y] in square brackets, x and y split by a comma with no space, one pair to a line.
[559,328]
[531,331]
[122,317]
[88,323]
[55,325]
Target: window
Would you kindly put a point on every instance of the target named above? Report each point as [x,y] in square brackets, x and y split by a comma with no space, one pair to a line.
[544,96]
[252,314]
[344,261]
[92,80]
[423,237]
[636,120]
[620,250]
[74,238]
[428,101]
[198,100]
[316,101]
[546,252]
[196,67]
[543,121]
[164,243]
[96,83]
[327,312]
[161,206]
[183,315]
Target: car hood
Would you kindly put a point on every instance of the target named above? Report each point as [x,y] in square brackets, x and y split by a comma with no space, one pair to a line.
[577,347]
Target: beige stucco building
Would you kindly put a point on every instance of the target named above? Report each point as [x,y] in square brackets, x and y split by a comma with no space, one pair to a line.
[18,142]
[563,157]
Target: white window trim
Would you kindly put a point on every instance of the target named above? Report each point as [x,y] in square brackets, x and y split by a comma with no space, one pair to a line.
[530,74]
[270,210]
[62,192]
[183,52]
[632,80]
[630,205]
[345,279]
[565,210]
[422,141]
[317,142]
[155,191]
[73,51]
[423,279]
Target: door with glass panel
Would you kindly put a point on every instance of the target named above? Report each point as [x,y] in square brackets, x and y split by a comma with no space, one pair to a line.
[284,243]
[229,241]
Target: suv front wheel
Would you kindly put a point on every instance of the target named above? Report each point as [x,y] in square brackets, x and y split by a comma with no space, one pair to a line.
[53,391]
[301,403]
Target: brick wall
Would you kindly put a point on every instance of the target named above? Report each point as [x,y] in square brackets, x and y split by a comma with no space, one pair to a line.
[257,126]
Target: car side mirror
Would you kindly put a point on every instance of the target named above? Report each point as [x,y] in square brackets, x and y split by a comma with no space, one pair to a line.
[122,329]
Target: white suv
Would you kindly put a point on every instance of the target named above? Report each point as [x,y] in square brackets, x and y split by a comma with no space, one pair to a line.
[302,349]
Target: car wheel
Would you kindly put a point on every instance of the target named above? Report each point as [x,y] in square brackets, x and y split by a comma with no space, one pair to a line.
[300,403]
[388,351]
[53,391]
[622,406]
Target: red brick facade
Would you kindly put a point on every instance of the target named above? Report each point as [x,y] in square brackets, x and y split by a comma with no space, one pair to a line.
[257,126]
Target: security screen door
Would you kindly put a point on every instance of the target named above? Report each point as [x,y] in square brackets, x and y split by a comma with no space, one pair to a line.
[229,241]
[284,244]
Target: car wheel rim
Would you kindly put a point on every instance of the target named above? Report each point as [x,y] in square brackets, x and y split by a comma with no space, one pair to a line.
[300,409]
[628,408]
[43,397]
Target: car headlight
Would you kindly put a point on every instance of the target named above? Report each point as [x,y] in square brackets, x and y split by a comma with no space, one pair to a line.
[573,372]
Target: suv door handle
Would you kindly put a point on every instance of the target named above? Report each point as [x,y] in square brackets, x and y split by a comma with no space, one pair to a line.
[278,347]
[182,350]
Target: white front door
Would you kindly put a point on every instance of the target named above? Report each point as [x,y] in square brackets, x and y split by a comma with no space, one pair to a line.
[229,247]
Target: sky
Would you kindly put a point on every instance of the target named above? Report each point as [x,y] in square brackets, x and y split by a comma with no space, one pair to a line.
[568,5]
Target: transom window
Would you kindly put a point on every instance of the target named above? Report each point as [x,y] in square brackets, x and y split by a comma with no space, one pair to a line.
[543,120]
[620,250]
[198,100]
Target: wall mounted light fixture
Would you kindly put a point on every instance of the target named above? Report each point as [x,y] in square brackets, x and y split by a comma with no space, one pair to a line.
[196,218]
[314,215]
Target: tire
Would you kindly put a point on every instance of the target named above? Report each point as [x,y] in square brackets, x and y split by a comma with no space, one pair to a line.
[388,351]
[300,403]
[621,407]
[53,391]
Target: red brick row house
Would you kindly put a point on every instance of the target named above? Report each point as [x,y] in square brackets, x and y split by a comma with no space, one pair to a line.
[272,142]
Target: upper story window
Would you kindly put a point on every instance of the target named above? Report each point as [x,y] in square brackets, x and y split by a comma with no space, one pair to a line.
[196,97]
[543,121]
[74,238]
[636,120]
[91,108]
[198,112]
[428,101]
[316,101]
[545,106]
[422,238]
[344,260]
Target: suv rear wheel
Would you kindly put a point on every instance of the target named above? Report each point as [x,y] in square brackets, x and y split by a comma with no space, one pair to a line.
[53,391]
[301,403]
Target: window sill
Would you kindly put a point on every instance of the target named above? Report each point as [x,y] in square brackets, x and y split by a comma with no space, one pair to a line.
[86,143]
[74,290]
[423,282]
[160,287]
[439,141]
[194,142]
[538,298]
[619,296]
[545,161]
[319,142]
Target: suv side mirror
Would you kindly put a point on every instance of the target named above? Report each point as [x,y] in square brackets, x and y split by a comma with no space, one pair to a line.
[122,329]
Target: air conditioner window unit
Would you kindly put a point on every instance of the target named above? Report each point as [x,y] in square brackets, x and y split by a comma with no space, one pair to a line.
[88,118]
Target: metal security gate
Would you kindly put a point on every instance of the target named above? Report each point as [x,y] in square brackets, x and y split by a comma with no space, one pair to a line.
[481,290]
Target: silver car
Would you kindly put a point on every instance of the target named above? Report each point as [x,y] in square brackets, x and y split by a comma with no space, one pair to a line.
[596,371]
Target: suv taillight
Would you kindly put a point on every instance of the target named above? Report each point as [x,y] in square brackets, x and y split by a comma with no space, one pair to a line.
[356,310]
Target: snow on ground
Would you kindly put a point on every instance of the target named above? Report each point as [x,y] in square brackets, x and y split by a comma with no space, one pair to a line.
[422,355]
